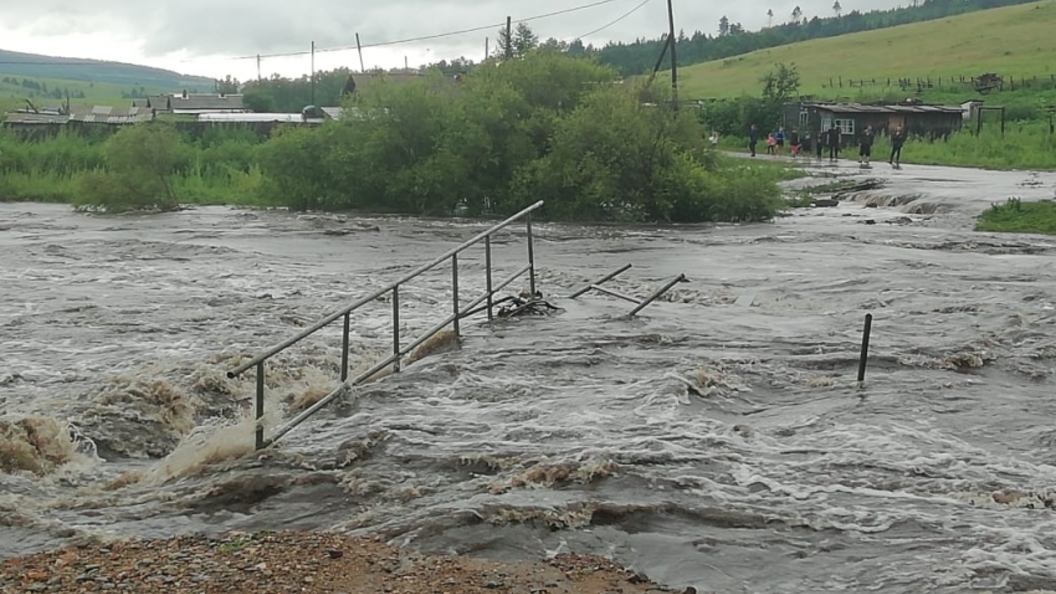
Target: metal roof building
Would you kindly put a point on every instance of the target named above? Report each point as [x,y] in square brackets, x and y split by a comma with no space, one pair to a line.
[917,119]
[106,114]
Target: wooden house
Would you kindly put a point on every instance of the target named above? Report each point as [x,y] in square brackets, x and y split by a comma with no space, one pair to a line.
[917,119]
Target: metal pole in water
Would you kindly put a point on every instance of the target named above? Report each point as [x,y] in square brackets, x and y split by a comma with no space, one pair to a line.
[487,267]
[454,292]
[396,327]
[260,406]
[865,347]
[344,347]
[531,256]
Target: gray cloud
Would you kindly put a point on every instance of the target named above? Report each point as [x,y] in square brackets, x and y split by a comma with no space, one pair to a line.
[247,27]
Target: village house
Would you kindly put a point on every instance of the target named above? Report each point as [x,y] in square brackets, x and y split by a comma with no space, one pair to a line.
[192,103]
[917,119]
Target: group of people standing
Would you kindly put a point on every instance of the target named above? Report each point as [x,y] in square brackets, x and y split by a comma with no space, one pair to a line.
[832,139]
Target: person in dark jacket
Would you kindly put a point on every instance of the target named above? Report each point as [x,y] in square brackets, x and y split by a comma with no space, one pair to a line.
[753,138]
[898,138]
[793,142]
[833,140]
[819,143]
[865,146]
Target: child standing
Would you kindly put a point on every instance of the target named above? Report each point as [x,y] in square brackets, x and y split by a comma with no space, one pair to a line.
[793,142]
[771,145]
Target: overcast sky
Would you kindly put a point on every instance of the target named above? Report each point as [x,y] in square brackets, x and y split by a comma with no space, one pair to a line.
[204,36]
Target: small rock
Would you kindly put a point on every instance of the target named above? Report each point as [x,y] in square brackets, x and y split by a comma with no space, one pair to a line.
[335,553]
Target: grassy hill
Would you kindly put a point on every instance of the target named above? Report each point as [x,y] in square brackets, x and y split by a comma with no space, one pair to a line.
[1015,40]
[95,71]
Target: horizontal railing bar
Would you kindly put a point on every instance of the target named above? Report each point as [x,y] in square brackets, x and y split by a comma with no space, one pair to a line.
[603,279]
[656,294]
[303,416]
[634,300]
[378,293]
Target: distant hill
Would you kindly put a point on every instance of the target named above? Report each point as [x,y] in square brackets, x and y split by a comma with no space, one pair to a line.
[1015,41]
[97,71]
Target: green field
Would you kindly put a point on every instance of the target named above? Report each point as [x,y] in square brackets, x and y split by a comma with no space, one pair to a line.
[14,95]
[1015,41]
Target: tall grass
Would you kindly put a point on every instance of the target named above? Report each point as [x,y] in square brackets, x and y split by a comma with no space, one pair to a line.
[1025,145]
[219,168]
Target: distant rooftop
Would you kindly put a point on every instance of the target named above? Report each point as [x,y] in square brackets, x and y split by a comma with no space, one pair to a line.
[888,108]
[106,114]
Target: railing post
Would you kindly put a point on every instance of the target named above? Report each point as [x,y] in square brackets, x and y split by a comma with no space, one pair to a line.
[487,267]
[260,406]
[531,256]
[864,356]
[454,293]
[344,347]
[396,327]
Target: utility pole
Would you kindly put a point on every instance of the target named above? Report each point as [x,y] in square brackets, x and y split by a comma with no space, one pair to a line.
[359,48]
[258,68]
[674,59]
[313,74]
[487,48]
[509,38]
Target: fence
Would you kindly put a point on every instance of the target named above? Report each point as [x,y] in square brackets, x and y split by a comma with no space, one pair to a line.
[982,83]
[398,350]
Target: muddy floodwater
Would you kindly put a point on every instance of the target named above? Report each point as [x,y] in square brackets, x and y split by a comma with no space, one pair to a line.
[718,440]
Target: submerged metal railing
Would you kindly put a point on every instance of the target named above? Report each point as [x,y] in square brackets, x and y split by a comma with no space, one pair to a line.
[398,350]
[639,303]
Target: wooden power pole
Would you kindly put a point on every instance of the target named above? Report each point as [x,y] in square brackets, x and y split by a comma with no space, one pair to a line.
[674,59]
[313,74]
[359,48]
[509,37]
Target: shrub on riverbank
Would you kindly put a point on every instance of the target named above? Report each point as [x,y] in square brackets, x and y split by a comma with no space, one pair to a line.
[1020,217]
[545,126]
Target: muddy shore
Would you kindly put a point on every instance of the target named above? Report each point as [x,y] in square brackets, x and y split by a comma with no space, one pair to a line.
[301,562]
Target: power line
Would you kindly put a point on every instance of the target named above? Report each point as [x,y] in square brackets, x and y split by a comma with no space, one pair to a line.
[618,19]
[435,35]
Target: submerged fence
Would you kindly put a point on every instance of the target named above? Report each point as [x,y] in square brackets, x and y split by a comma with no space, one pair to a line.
[399,350]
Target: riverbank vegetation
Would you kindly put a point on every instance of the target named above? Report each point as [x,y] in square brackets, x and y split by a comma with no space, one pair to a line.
[545,126]
[1020,217]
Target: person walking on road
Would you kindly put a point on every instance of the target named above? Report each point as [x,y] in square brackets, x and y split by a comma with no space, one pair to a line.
[753,138]
[865,147]
[819,143]
[898,138]
[793,142]
[833,138]
[779,140]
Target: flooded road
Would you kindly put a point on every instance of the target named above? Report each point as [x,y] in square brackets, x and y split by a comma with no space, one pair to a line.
[717,440]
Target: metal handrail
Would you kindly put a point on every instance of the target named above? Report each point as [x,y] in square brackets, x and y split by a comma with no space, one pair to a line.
[398,350]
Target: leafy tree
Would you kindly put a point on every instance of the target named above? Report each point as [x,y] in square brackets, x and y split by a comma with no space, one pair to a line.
[770,17]
[837,8]
[797,13]
[724,26]
[141,161]
[781,85]
[228,86]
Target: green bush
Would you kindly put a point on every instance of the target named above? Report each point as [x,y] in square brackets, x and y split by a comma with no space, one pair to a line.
[142,161]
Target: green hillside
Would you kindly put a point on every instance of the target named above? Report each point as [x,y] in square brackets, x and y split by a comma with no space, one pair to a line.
[1013,41]
[17,64]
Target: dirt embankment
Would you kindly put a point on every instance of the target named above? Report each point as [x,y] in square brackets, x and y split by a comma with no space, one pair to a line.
[301,562]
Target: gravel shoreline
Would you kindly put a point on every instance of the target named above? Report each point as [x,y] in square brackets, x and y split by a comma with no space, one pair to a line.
[304,562]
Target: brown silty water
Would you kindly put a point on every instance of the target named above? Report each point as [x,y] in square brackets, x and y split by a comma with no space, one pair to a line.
[719,439]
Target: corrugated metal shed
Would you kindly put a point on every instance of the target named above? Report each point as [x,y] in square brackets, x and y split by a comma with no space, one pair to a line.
[251,117]
[206,103]
[106,114]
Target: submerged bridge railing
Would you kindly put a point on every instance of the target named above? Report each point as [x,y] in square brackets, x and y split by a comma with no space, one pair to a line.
[399,350]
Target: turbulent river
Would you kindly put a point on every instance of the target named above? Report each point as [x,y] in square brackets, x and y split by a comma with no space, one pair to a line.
[719,439]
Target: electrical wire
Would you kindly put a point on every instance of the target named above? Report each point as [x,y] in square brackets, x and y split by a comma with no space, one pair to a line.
[618,19]
[433,36]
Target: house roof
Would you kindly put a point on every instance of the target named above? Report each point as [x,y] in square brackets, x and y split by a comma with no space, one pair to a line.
[106,114]
[894,108]
[252,117]
[205,102]
[30,118]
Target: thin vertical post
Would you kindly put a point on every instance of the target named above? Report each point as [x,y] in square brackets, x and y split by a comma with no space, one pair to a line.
[396,327]
[258,67]
[487,48]
[531,255]
[509,37]
[359,48]
[674,57]
[344,346]
[313,75]
[260,406]
[865,347]
[487,268]
[454,293]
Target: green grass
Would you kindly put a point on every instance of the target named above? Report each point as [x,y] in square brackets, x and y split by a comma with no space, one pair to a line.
[14,96]
[1020,217]
[1012,41]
